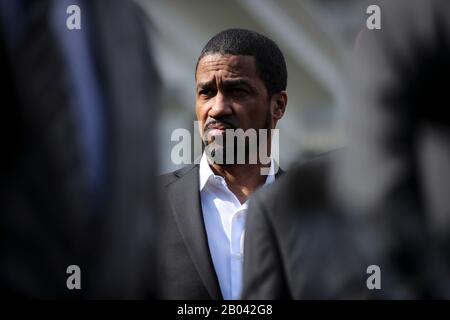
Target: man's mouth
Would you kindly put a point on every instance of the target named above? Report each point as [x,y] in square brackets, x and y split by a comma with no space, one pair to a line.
[217,126]
[214,129]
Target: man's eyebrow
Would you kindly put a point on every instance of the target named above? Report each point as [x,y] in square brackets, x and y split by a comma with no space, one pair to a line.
[238,82]
[202,85]
[227,82]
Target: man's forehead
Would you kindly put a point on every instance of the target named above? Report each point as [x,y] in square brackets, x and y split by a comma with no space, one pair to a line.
[228,65]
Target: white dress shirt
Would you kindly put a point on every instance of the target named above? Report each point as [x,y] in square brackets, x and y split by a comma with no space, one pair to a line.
[224,218]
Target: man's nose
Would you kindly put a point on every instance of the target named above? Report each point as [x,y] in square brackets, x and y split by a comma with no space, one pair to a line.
[221,106]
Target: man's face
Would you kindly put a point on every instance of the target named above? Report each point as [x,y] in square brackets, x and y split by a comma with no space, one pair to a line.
[230,95]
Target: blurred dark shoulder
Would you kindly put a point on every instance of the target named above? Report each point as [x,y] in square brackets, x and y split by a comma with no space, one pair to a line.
[305,185]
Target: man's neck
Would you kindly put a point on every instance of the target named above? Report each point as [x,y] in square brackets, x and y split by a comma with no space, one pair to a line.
[242,179]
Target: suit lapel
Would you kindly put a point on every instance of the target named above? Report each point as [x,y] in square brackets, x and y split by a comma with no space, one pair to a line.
[184,196]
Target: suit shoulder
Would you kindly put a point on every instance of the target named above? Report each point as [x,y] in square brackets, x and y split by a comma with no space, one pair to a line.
[303,186]
[167,178]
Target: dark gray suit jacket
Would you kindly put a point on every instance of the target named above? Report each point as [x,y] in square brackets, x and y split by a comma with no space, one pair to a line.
[185,267]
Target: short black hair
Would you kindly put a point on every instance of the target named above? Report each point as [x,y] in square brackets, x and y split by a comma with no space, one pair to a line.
[269,59]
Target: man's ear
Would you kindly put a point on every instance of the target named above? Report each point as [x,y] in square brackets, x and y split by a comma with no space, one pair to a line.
[278,105]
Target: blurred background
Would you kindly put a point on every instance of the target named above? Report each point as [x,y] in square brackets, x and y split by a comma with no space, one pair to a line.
[89,116]
[315,36]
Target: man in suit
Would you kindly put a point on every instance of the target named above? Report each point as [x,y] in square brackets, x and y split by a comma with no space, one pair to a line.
[240,84]
[381,201]
[79,154]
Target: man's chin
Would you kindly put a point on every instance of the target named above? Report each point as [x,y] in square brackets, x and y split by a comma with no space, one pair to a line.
[214,136]
[215,153]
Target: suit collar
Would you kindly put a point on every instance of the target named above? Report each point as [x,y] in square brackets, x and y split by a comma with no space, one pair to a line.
[206,172]
[184,197]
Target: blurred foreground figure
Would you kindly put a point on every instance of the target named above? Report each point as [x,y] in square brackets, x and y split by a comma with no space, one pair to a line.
[78,144]
[382,201]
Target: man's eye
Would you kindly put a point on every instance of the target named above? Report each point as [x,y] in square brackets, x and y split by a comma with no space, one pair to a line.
[239,91]
[205,92]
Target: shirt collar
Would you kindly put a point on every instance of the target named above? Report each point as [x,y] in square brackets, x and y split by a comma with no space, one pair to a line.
[205,172]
